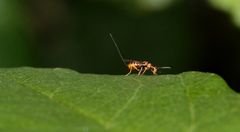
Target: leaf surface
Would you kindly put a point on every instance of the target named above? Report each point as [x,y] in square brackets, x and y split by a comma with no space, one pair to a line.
[60,100]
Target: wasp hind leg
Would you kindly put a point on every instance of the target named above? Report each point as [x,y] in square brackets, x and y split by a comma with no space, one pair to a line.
[145,69]
[139,72]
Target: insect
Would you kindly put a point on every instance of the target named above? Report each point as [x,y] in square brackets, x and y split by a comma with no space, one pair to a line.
[140,66]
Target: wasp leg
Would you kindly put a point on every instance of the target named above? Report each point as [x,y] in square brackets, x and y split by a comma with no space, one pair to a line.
[135,68]
[130,70]
[132,67]
[139,73]
[145,69]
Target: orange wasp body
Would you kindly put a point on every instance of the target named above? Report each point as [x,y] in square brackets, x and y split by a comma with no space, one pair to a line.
[140,66]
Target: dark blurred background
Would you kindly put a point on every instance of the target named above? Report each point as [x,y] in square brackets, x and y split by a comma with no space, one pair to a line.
[189,35]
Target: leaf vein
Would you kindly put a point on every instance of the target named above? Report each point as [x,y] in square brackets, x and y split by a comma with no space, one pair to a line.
[190,107]
[130,100]
[65,104]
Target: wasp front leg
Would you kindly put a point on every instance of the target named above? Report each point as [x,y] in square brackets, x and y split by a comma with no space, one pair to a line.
[130,70]
[131,67]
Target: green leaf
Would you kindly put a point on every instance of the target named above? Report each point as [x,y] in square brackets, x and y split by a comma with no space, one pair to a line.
[232,7]
[60,100]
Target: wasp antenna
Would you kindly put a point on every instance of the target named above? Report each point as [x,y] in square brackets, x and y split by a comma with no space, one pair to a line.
[119,52]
